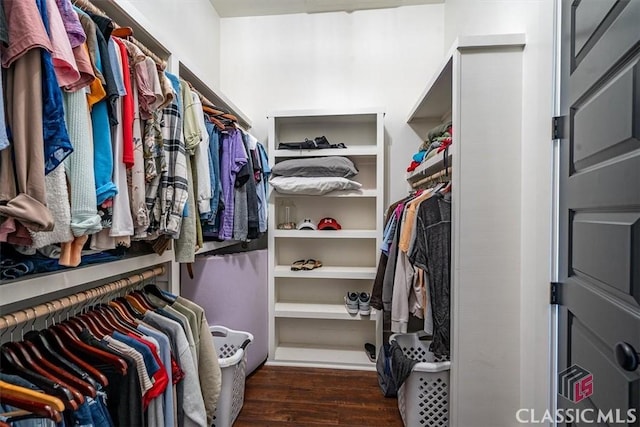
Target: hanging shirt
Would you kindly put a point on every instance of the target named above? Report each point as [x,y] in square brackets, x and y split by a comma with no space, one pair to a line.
[191,410]
[57,145]
[71,22]
[101,128]
[127,107]
[63,59]
[202,161]
[234,157]
[165,355]
[122,222]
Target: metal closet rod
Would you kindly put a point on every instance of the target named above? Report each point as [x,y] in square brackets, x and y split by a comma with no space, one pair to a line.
[32,313]
[90,7]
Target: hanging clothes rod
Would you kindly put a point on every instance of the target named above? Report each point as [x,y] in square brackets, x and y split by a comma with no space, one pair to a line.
[32,313]
[86,5]
[433,177]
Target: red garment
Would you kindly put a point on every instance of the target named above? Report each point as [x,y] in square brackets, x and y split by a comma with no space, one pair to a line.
[445,143]
[160,378]
[127,107]
[177,374]
[413,166]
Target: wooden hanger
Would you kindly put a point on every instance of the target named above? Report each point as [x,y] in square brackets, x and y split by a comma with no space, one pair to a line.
[7,389]
[33,408]
[57,342]
[51,354]
[11,363]
[58,372]
[66,336]
[38,367]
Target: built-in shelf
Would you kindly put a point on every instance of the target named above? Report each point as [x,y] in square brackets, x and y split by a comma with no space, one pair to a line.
[361,150]
[326,272]
[319,311]
[214,95]
[212,246]
[431,166]
[321,357]
[435,101]
[326,234]
[368,192]
[48,283]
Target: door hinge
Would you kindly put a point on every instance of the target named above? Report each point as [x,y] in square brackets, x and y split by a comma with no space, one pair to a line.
[558,124]
[554,294]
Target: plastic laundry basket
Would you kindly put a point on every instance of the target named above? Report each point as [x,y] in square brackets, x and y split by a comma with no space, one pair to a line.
[423,399]
[231,347]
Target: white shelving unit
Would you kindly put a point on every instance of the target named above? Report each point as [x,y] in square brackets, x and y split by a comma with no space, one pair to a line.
[308,322]
[479,87]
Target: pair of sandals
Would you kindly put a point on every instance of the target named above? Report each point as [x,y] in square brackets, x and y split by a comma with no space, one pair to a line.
[305,264]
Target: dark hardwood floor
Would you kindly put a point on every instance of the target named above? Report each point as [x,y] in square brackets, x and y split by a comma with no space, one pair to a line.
[298,397]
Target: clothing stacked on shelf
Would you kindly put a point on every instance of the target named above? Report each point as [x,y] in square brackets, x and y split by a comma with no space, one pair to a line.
[413,276]
[438,139]
[101,144]
[146,359]
[314,176]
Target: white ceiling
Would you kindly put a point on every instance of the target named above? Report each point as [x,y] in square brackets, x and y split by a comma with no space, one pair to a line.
[232,8]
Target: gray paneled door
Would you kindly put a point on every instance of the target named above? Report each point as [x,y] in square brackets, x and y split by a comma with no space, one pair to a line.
[600,209]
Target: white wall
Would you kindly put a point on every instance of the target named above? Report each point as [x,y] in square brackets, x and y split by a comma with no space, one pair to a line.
[535,18]
[194,37]
[336,60]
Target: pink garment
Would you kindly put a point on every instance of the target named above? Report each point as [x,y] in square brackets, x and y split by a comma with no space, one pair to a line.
[21,236]
[6,228]
[26,30]
[149,89]
[83,61]
[64,61]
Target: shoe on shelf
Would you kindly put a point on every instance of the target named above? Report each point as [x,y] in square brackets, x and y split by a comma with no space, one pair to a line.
[364,303]
[351,302]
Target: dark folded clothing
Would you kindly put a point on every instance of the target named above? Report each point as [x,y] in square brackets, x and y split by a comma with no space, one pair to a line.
[317,143]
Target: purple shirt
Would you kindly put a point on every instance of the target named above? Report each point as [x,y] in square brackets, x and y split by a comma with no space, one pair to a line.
[72,24]
[234,157]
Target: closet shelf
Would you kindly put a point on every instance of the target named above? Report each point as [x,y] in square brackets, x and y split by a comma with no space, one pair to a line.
[327,272]
[214,95]
[431,166]
[319,311]
[326,234]
[48,283]
[368,192]
[321,357]
[356,150]
[212,246]
[435,101]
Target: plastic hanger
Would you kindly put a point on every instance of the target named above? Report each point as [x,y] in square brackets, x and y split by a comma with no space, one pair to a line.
[157,292]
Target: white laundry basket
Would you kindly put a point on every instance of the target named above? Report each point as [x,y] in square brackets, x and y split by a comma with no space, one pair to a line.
[423,399]
[231,347]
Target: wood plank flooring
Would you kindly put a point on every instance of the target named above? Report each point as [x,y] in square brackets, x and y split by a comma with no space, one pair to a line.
[299,397]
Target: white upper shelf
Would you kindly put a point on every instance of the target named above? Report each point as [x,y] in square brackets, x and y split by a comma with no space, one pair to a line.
[49,283]
[431,166]
[215,96]
[356,150]
[435,101]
